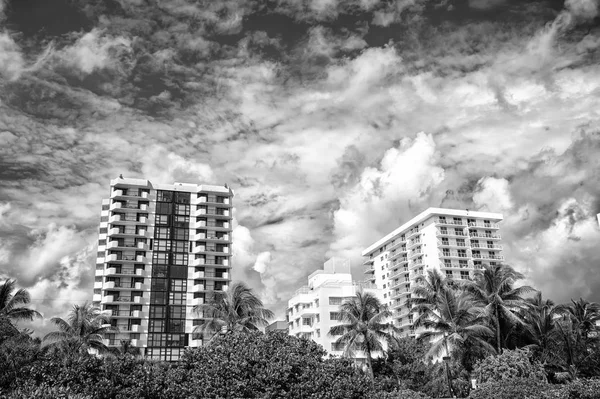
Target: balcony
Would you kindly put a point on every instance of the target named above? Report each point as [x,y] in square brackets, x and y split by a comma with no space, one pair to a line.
[454,254]
[138,343]
[485,235]
[138,314]
[140,286]
[451,233]
[97,298]
[107,299]
[414,254]
[483,225]
[485,256]
[195,343]
[115,218]
[195,301]
[115,205]
[140,300]
[198,288]
[369,270]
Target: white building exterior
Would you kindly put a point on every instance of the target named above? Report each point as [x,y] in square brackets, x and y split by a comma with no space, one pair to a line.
[162,249]
[456,242]
[314,308]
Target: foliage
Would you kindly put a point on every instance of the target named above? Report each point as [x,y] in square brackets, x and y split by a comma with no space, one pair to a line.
[237,309]
[515,388]
[510,364]
[363,327]
[273,365]
[493,291]
[83,330]
[11,304]
[398,394]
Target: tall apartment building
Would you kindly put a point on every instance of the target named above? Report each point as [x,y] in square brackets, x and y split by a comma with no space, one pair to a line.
[314,308]
[456,242]
[162,249]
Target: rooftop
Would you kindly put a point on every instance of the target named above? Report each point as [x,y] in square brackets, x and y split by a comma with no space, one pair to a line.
[425,215]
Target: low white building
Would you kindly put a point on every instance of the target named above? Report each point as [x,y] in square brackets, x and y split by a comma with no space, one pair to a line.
[315,308]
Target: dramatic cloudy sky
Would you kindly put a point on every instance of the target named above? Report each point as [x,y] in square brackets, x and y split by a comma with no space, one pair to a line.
[333,120]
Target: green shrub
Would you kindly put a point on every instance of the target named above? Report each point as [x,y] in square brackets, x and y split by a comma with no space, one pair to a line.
[584,389]
[516,388]
[399,394]
[510,364]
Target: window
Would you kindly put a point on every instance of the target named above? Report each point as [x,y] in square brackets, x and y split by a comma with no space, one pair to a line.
[182,209]
[180,259]
[306,321]
[181,234]
[334,316]
[162,232]
[166,196]
[443,230]
[103,230]
[180,246]
[318,318]
[181,221]
[464,274]
[157,312]
[158,284]
[457,220]
[461,242]
[458,232]
[160,258]
[449,274]
[445,241]
[164,208]
[176,312]
[162,220]
[162,245]
[442,219]
[182,198]
[178,285]
[337,346]
[333,300]
[318,333]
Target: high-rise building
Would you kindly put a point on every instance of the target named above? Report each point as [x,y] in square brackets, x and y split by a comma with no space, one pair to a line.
[162,249]
[456,242]
[315,308]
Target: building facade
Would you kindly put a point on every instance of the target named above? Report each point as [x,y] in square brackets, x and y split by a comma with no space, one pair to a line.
[455,242]
[315,308]
[278,325]
[162,249]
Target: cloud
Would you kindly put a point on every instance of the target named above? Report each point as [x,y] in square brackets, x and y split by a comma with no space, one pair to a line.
[12,63]
[262,262]
[493,195]
[94,51]
[174,168]
[386,195]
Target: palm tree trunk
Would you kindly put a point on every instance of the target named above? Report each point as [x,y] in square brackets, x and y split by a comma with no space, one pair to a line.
[498,340]
[369,362]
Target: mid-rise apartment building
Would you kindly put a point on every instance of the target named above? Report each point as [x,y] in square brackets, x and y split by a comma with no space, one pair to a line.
[162,249]
[456,242]
[315,308]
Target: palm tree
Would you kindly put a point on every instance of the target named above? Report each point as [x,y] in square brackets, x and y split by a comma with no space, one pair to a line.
[540,329]
[364,327]
[493,290]
[453,324]
[578,321]
[11,305]
[83,330]
[237,309]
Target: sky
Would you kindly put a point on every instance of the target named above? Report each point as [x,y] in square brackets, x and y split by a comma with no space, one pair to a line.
[333,121]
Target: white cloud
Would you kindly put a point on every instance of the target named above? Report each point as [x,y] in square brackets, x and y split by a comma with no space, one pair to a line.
[262,262]
[493,195]
[12,63]
[386,195]
[163,166]
[94,51]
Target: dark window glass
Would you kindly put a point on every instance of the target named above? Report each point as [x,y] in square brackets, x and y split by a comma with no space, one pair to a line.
[180,246]
[159,284]
[176,326]
[159,271]
[157,312]
[158,298]
[182,198]
[176,312]
[164,208]
[166,196]
[177,298]
[178,272]
[181,234]
[104,218]
[156,325]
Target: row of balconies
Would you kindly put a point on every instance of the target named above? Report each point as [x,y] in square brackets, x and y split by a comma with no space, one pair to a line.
[448,222]
[129,193]
[110,285]
[121,218]
[126,206]
[113,271]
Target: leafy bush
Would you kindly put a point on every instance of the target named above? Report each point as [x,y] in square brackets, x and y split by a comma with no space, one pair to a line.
[399,394]
[583,389]
[516,388]
[510,364]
